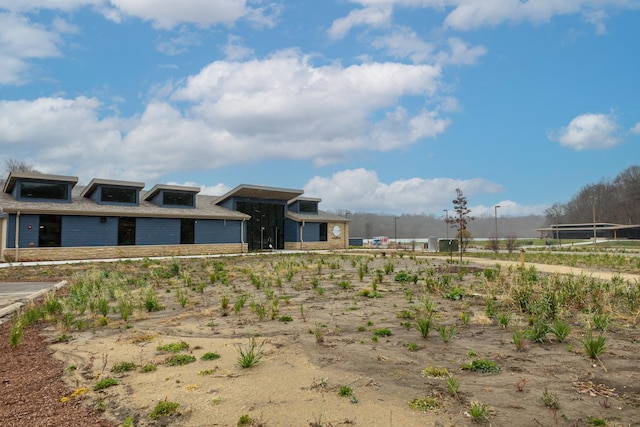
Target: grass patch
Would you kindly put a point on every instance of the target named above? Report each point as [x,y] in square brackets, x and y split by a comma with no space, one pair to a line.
[483,366]
[175,347]
[164,409]
[105,383]
[180,359]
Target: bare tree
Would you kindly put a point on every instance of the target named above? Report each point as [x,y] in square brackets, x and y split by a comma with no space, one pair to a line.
[512,243]
[13,165]
[460,220]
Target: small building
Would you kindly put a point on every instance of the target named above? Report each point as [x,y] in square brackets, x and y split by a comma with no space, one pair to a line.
[50,217]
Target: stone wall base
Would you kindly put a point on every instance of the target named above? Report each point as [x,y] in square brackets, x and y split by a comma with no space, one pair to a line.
[110,252]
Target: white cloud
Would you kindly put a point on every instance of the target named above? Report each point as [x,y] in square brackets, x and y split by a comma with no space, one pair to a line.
[62,135]
[460,53]
[283,105]
[169,13]
[213,190]
[180,43]
[636,129]
[30,5]
[468,15]
[231,113]
[235,50]
[361,190]
[375,16]
[589,131]
[20,42]
[405,43]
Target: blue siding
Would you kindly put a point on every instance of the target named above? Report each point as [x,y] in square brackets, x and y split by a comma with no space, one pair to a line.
[29,230]
[291,230]
[89,231]
[158,231]
[217,231]
[311,232]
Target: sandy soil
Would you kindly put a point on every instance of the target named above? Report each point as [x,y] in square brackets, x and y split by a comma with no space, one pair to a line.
[329,344]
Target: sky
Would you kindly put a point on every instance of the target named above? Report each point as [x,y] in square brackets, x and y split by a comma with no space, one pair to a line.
[383,106]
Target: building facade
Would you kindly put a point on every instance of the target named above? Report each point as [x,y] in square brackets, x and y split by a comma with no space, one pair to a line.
[50,217]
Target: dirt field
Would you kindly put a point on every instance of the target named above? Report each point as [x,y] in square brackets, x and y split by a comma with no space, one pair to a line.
[340,350]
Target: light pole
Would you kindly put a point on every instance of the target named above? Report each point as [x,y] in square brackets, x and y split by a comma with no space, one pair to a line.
[495,215]
[593,205]
[395,230]
[446,221]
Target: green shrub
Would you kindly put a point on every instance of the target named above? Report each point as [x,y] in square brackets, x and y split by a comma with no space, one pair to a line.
[121,367]
[483,366]
[164,409]
[175,347]
[180,359]
[210,356]
[105,383]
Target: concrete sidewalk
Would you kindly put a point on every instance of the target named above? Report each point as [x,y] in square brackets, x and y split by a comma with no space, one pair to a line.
[13,295]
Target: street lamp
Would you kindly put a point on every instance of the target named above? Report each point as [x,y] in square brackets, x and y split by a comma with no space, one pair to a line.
[495,215]
[593,205]
[395,230]
[446,221]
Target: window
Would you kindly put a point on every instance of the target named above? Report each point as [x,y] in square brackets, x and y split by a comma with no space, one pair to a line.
[323,232]
[126,231]
[44,190]
[177,198]
[187,231]
[50,233]
[308,207]
[118,195]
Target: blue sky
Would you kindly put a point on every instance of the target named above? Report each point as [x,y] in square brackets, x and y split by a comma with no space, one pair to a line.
[372,105]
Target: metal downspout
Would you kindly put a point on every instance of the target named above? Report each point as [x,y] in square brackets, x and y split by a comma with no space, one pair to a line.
[301,240]
[242,236]
[17,234]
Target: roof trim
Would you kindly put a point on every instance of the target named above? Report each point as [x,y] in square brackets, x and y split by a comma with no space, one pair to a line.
[96,182]
[160,187]
[14,176]
[260,192]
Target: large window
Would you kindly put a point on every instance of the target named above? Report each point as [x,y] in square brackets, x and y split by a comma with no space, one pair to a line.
[177,198]
[50,233]
[187,231]
[308,207]
[323,232]
[265,229]
[118,195]
[126,231]
[44,190]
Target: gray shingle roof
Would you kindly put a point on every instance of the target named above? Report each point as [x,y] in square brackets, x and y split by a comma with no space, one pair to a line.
[205,208]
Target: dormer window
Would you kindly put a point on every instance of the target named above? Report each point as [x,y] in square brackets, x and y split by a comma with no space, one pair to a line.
[178,198]
[111,192]
[172,196]
[118,195]
[308,207]
[44,190]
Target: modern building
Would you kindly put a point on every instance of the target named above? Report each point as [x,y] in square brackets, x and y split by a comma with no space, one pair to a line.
[587,230]
[50,217]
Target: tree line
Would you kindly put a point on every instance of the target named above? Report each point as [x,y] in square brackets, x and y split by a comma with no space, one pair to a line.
[612,201]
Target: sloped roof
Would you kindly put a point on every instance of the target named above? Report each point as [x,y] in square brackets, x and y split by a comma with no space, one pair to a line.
[96,182]
[14,176]
[260,192]
[160,187]
[205,208]
[321,216]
